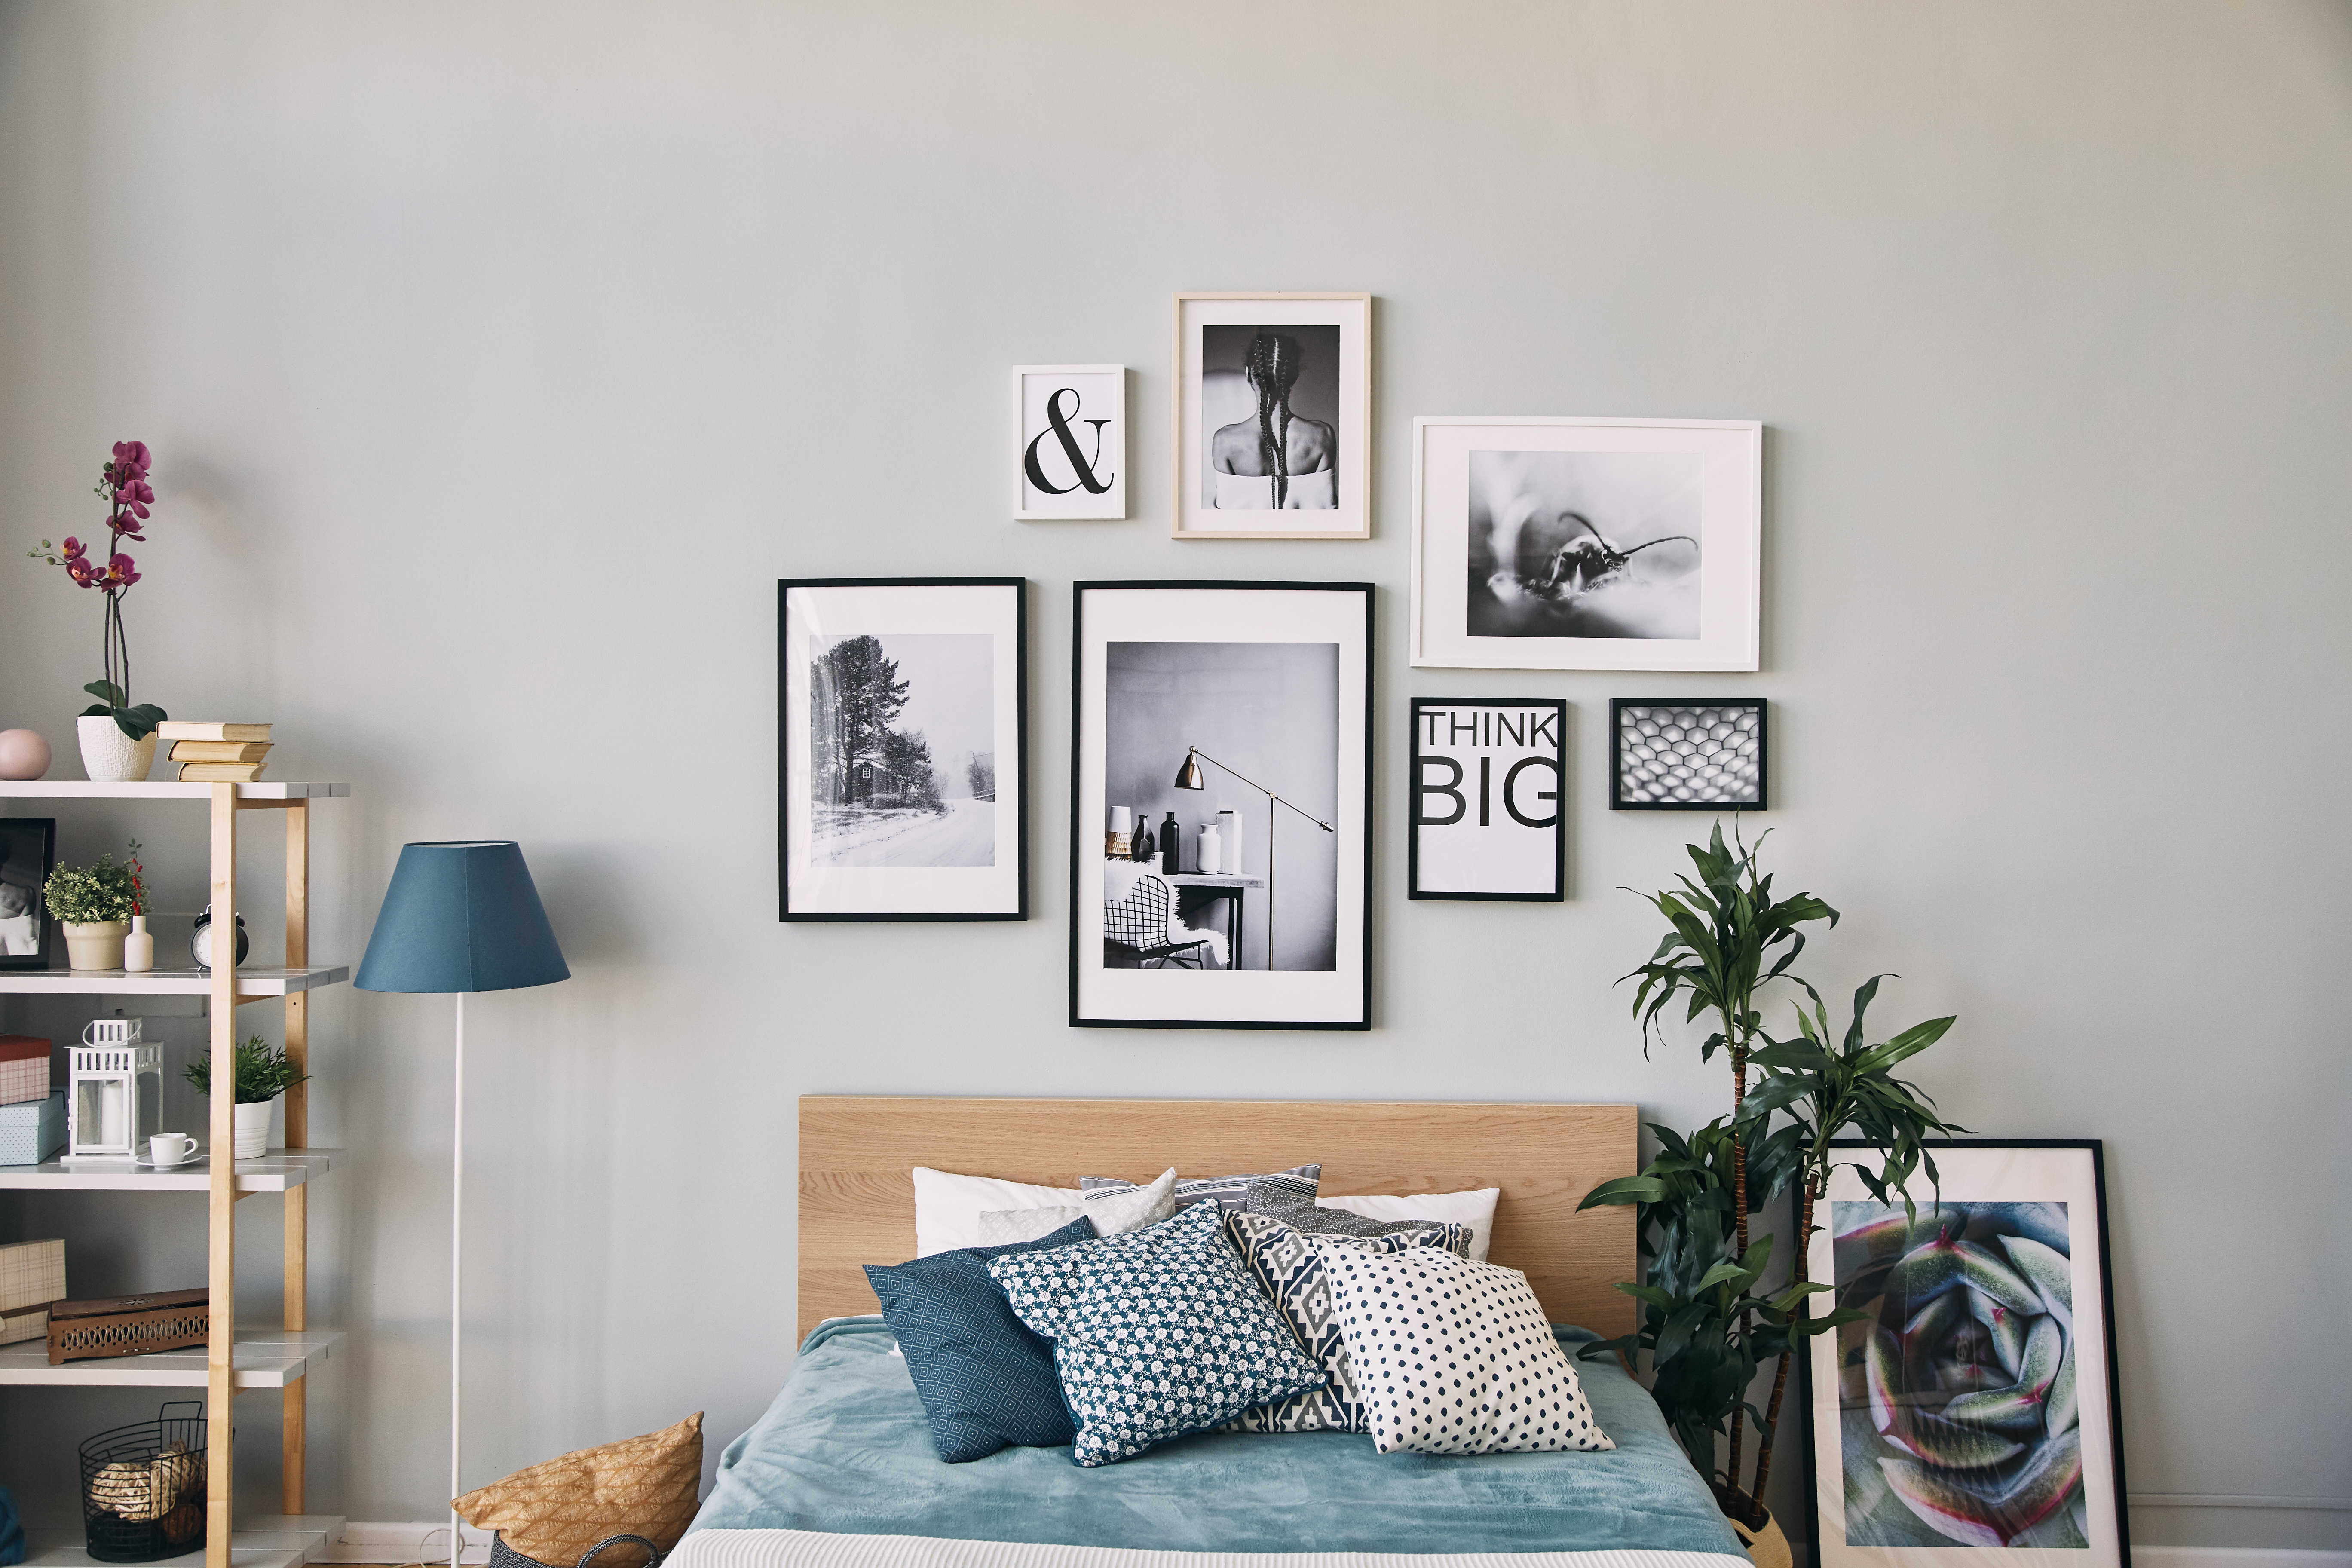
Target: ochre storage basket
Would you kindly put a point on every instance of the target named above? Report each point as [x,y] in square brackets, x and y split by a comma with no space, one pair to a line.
[142,1486]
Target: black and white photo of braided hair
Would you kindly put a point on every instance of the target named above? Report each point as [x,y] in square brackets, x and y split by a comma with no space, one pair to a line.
[1273,366]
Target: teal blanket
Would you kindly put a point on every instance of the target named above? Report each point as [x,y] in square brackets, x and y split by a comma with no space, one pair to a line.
[844,1449]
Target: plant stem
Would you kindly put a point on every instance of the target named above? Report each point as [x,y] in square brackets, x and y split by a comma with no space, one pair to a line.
[1780,1379]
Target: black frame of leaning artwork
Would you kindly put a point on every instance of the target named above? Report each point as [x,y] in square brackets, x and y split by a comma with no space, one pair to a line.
[1020,586]
[1413,823]
[1617,801]
[1086,845]
[2097,1150]
[44,923]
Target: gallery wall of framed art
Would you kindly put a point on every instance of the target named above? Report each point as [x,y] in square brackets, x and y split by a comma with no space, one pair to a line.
[902,730]
[1244,707]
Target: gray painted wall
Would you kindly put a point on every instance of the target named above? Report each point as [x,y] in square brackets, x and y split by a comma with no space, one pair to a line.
[497,361]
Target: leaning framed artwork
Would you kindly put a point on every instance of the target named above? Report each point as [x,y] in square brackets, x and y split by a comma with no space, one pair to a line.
[1273,417]
[1542,543]
[1698,754]
[1073,442]
[1974,1406]
[1486,815]
[902,748]
[1229,725]
[28,853]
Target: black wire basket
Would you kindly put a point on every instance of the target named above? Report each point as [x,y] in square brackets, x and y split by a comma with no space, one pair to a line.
[505,1556]
[142,1486]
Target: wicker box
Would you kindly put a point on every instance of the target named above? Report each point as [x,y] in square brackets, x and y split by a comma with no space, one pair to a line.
[24,1069]
[32,1276]
[129,1325]
[31,1132]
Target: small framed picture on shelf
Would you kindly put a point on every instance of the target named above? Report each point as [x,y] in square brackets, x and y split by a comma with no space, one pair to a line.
[1489,780]
[1544,543]
[1686,755]
[1974,1404]
[1221,790]
[903,741]
[1273,417]
[1073,441]
[28,853]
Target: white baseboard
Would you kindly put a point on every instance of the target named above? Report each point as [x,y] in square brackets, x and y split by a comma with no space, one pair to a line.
[402,1544]
[2236,1557]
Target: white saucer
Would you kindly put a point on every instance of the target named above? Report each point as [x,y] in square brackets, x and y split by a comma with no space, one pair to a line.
[193,1155]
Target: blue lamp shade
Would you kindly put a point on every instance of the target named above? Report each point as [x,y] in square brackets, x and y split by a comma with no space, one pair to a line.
[461,917]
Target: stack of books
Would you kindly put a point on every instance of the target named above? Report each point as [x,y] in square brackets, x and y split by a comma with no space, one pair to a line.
[212,753]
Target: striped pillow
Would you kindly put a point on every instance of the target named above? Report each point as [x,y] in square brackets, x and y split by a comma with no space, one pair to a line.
[1231,1193]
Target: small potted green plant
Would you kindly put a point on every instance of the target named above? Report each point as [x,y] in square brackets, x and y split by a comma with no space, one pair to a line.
[94,903]
[262,1075]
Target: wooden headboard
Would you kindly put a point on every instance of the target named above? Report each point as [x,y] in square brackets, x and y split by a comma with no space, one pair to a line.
[857,1192]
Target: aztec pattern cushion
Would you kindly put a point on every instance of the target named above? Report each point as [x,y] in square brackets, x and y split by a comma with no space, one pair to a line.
[1451,1356]
[1156,1332]
[1114,1210]
[1279,1198]
[1230,1192]
[555,1511]
[1285,1259]
[985,1381]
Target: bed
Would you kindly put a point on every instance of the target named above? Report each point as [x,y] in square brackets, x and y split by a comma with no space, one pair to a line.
[839,1473]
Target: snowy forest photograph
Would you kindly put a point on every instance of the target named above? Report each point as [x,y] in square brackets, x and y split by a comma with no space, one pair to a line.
[902,766]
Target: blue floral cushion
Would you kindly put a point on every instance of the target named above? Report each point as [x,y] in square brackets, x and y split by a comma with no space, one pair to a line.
[985,1381]
[1156,1332]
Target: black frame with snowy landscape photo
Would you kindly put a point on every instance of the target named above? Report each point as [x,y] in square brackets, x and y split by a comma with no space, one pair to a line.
[902,777]
[1974,1409]
[1244,710]
[1544,543]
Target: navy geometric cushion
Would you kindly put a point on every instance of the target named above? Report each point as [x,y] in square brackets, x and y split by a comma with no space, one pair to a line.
[985,1381]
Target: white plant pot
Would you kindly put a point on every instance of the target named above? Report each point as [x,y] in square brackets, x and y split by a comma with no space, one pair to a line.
[95,944]
[110,756]
[253,1129]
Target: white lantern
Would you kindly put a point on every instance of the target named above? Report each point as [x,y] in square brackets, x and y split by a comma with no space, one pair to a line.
[114,1091]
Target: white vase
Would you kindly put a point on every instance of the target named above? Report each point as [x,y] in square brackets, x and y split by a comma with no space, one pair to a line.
[1210,860]
[95,944]
[137,948]
[253,1129]
[1229,841]
[110,756]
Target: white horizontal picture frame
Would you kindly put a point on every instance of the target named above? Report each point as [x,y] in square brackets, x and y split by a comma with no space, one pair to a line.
[1587,544]
[1074,448]
[1312,396]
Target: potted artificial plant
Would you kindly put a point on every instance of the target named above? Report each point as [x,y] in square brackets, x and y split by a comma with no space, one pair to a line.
[95,904]
[262,1075]
[1708,1326]
[118,739]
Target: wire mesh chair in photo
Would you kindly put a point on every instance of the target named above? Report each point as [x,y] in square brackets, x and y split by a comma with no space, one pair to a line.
[1137,923]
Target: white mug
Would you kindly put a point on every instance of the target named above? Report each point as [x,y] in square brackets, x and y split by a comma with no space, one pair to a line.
[170,1148]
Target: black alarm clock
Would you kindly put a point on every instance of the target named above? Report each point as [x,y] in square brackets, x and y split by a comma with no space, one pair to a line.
[200,941]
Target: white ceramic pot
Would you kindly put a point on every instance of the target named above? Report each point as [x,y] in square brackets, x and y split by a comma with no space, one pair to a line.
[95,944]
[137,948]
[253,1129]
[110,756]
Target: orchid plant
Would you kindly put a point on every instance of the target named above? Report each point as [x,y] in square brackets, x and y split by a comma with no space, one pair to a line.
[123,486]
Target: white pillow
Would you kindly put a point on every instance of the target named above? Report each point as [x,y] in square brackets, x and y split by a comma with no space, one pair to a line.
[1114,1211]
[948,1208]
[1475,1209]
[1453,1357]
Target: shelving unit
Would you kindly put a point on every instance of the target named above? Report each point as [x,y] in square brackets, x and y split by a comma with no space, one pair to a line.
[235,1359]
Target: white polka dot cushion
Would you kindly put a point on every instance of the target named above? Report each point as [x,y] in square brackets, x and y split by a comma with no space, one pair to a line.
[1451,1356]
[1156,1333]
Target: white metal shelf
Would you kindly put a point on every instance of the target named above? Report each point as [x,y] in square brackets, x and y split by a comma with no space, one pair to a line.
[80,789]
[266,1358]
[252,984]
[273,1173]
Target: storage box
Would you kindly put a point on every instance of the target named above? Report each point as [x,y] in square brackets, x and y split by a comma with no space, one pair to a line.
[31,1132]
[129,1325]
[24,1069]
[32,1277]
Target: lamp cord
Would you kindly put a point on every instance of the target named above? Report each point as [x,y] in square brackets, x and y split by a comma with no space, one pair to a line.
[456,1298]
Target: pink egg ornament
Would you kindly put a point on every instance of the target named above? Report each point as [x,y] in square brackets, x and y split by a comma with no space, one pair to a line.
[24,754]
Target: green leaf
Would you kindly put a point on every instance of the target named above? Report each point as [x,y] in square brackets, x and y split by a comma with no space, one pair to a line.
[138,722]
[1624,1190]
[106,691]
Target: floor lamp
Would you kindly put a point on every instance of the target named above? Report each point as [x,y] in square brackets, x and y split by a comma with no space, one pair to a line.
[459,917]
[1189,777]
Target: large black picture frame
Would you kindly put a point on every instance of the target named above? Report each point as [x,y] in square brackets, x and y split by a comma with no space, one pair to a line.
[1247,615]
[17,834]
[1003,898]
[1497,797]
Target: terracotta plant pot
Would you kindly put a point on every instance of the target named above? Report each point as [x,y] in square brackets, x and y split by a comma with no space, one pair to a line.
[110,756]
[95,944]
[1766,1547]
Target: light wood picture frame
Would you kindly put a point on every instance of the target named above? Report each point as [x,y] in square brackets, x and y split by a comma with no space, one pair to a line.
[1288,378]
[1073,447]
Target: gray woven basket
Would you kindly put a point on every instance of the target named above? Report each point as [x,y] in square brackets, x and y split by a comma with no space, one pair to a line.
[505,1556]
